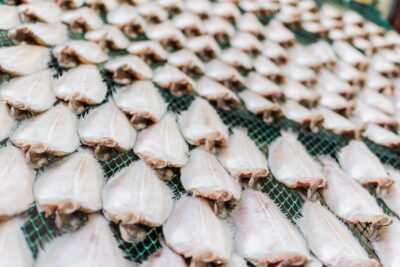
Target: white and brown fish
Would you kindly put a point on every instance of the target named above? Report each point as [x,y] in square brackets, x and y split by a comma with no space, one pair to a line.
[128,69]
[215,92]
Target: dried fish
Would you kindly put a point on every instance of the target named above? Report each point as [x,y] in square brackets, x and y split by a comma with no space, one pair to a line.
[101,247]
[364,45]
[363,166]
[136,196]
[16,182]
[291,164]
[106,128]
[392,39]
[263,86]
[315,28]
[142,102]
[69,4]
[201,126]
[149,51]
[189,23]
[303,57]
[165,257]
[243,159]
[338,35]
[53,132]
[29,94]
[349,200]
[108,37]
[226,10]
[225,74]
[330,240]
[194,231]
[373,29]
[39,33]
[247,42]
[24,59]
[386,246]
[219,28]
[354,31]
[298,113]
[301,74]
[75,52]
[261,9]
[127,69]
[200,7]
[80,87]
[352,17]
[329,11]
[82,19]
[275,52]
[276,32]
[237,59]
[177,82]
[390,55]
[250,23]
[350,55]
[213,91]
[167,34]
[260,105]
[335,102]
[338,124]
[102,5]
[381,136]
[377,100]
[40,11]
[6,121]
[152,12]
[204,176]
[128,20]
[378,82]
[298,92]
[368,114]
[74,184]
[173,7]
[263,235]
[204,46]
[289,16]
[186,61]
[14,250]
[268,69]
[337,84]
[9,17]
[392,197]
[162,145]
[384,66]
[237,261]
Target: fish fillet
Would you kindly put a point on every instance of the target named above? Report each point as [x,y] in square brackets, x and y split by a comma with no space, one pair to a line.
[387,246]
[392,197]
[7,123]
[164,257]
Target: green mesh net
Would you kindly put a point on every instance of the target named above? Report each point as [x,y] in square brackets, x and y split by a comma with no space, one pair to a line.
[40,229]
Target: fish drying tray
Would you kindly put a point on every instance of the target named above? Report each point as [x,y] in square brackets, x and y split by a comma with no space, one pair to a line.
[40,229]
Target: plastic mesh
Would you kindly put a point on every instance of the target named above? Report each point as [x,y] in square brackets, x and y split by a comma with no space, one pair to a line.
[39,229]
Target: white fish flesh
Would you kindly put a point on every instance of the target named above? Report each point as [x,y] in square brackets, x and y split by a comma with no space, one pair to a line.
[349,200]
[29,94]
[263,86]
[108,37]
[364,45]
[381,136]
[384,66]
[24,59]
[243,159]
[259,105]
[354,31]
[135,195]
[237,261]
[247,42]
[69,4]
[39,33]
[200,7]
[16,182]
[204,46]
[82,19]
[237,59]
[392,197]
[290,164]
[331,11]
[298,92]
[149,51]
[201,125]
[9,18]
[40,11]
[204,176]
[142,102]
[81,86]
[127,19]
[300,114]
[52,132]
[330,240]
[368,114]
[219,28]
[332,83]
[289,16]
[193,230]
[165,257]
[127,69]
[276,32]
[167,35]
[263,235]
[173,7]
[301,56]
[386,246]
[250,23]
[352,17]
[189,23]
[373,29]
[335,102]
[186,61]
[75,52]
[7,123]
[102,5]
[213,91]
[226,10]
[301,74]
[377,100]
[378,82]
[392,39]
[14,249]
[174,79]
[152,12]
[275,52]
[223,73]
[101,247]
[73,184]
[162,144]
[313,262]
[107,128]
[363,166]
[349,74]
[337,123]
[269,69]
